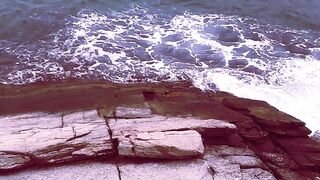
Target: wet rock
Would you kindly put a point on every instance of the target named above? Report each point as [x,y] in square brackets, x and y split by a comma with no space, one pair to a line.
[187,170]
[301,131]
[229,35]
[200,48]
[183,55]
[167,145]
[126,112]
[253,54]
[287,174]
[179,54]
[173,38]
[209,127]
[237,63]
[51,138]
[142,55]
[280,160]
[253,36]
[264,114]
[304,150]
[310,174]
[253,69]
[7,59]
[256,174]
[239,51]
[242,104]
[298,144]
[298,49]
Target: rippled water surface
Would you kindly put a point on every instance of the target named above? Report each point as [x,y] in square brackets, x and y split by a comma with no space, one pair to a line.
[267,50]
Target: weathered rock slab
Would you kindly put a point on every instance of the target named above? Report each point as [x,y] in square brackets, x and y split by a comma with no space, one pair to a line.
[186,170]
[262,112]
[52,138]
[168,145]
[210,127]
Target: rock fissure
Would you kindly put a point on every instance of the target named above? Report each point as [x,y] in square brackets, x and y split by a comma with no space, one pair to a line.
[119,172]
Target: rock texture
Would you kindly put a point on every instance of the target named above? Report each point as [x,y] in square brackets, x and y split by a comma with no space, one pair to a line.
[169,145]
[188,170]
[85,170]
[208,127]
[40,138]
[235,163]
[151,131]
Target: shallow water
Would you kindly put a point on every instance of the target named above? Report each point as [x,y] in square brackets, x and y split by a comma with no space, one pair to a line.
[267,50]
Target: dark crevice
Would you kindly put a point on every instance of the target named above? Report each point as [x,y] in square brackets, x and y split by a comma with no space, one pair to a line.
[133,147]
[75,135]
[109,129]
[62,122]
[119,172]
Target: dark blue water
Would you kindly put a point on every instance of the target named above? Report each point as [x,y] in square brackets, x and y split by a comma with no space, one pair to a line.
[263,49]
[35,19]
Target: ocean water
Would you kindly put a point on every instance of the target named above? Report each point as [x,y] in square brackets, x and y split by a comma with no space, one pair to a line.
[260,49]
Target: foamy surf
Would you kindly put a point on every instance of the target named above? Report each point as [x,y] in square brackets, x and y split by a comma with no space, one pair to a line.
[243,56]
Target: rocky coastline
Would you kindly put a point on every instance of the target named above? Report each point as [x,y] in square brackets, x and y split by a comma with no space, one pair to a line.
[149,131]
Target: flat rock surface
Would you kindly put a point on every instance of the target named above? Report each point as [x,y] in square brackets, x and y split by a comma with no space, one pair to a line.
[186,170]
[86,171]
[124,127]
[168,145]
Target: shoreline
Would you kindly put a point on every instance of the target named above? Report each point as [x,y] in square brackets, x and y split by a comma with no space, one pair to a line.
[83,121]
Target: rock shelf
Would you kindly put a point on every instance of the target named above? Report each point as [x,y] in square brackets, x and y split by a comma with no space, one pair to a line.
[149,131]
